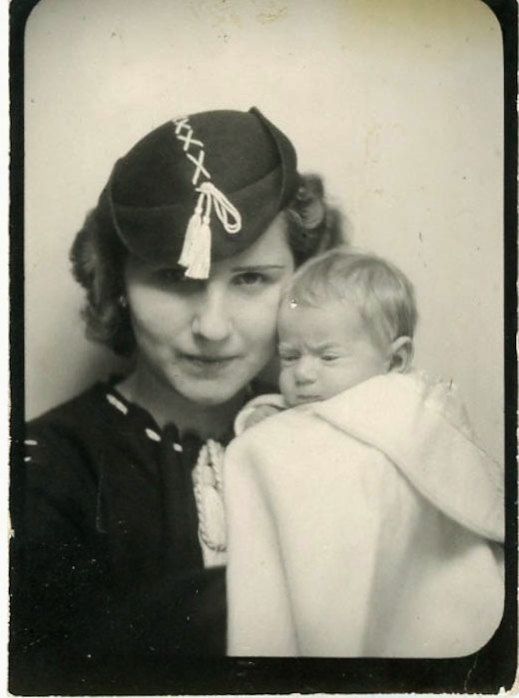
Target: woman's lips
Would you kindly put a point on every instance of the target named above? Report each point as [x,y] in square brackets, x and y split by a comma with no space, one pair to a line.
[208,363]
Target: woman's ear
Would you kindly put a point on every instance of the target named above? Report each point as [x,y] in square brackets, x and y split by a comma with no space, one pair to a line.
[401,354]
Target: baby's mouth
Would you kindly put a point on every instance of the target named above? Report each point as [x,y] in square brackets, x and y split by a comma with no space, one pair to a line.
[300,399]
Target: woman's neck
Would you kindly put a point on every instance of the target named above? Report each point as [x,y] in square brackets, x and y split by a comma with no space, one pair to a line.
[166,405]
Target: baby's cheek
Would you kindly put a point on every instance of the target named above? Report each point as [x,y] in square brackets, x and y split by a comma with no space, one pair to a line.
[285,382]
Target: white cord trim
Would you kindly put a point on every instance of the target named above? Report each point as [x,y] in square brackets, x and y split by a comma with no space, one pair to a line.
[196,250]
[208,491]
[228,214]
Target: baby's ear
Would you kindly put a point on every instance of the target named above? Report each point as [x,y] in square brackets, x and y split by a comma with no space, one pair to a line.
[401,356]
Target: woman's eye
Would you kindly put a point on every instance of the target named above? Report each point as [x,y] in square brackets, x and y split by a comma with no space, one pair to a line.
[171,276]
[250,279]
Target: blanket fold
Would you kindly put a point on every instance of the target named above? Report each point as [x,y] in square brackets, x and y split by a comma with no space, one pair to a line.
[365,525]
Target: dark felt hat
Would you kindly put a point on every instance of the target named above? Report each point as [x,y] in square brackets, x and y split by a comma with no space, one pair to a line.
[219,176]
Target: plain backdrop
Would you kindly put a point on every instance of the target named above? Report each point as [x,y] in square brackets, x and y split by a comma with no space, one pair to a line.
[397,103]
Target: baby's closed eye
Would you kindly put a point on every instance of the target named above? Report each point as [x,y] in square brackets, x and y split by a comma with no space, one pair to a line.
[329,357]
[288,355]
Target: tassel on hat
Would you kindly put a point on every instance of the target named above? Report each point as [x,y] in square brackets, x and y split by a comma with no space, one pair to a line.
[192,247]
[196,251]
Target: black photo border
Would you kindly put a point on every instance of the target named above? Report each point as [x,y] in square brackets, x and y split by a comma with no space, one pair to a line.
[486,671]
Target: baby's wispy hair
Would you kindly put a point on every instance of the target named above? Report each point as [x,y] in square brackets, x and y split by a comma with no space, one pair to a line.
[381,293]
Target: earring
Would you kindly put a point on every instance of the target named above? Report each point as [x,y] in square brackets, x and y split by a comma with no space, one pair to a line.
[123,301]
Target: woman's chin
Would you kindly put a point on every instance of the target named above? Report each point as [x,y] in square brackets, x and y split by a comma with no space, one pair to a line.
[209,393]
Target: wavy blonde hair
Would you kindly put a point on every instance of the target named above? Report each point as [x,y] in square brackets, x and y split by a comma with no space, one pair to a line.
[382,293]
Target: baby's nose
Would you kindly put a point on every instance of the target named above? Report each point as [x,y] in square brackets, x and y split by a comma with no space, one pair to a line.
[306,370]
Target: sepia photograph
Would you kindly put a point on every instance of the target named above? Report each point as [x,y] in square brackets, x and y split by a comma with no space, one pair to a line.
[260,440]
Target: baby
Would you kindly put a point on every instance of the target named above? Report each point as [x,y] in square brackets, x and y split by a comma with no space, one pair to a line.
[363,519]
[346,317]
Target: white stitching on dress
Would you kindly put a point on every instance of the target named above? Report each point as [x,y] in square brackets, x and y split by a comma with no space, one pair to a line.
[152,435]
[116,403]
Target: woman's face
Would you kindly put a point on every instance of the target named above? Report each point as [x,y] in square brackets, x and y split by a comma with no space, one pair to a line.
[207,339]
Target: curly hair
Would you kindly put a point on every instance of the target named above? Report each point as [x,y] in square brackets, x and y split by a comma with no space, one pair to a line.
[98,258]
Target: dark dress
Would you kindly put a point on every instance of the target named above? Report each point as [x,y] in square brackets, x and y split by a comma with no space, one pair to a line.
[107,575]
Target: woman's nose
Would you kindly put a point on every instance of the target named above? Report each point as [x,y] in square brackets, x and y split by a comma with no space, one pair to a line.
[305,370]
[211,319]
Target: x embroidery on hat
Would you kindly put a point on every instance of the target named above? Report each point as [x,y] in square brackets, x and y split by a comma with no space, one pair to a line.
[195,254]
[182,124]
[188,138]
[199,166]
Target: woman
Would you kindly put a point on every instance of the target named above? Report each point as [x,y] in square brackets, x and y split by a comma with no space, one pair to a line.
[119,539]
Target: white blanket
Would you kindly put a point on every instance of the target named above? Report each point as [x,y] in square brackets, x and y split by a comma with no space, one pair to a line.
[365,525]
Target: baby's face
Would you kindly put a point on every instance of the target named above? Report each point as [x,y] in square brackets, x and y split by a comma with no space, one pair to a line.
[325,350]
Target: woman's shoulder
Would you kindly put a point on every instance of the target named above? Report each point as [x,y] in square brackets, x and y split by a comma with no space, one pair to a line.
[77,405]
[57,478]
[72,428]
[97,424]
[80,412]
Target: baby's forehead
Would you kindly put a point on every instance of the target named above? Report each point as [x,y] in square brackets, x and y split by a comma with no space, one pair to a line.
[298,319]
[332,321]
[293,313]
[292,310]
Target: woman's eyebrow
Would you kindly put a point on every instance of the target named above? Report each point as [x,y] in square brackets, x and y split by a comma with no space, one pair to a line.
[158,266]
